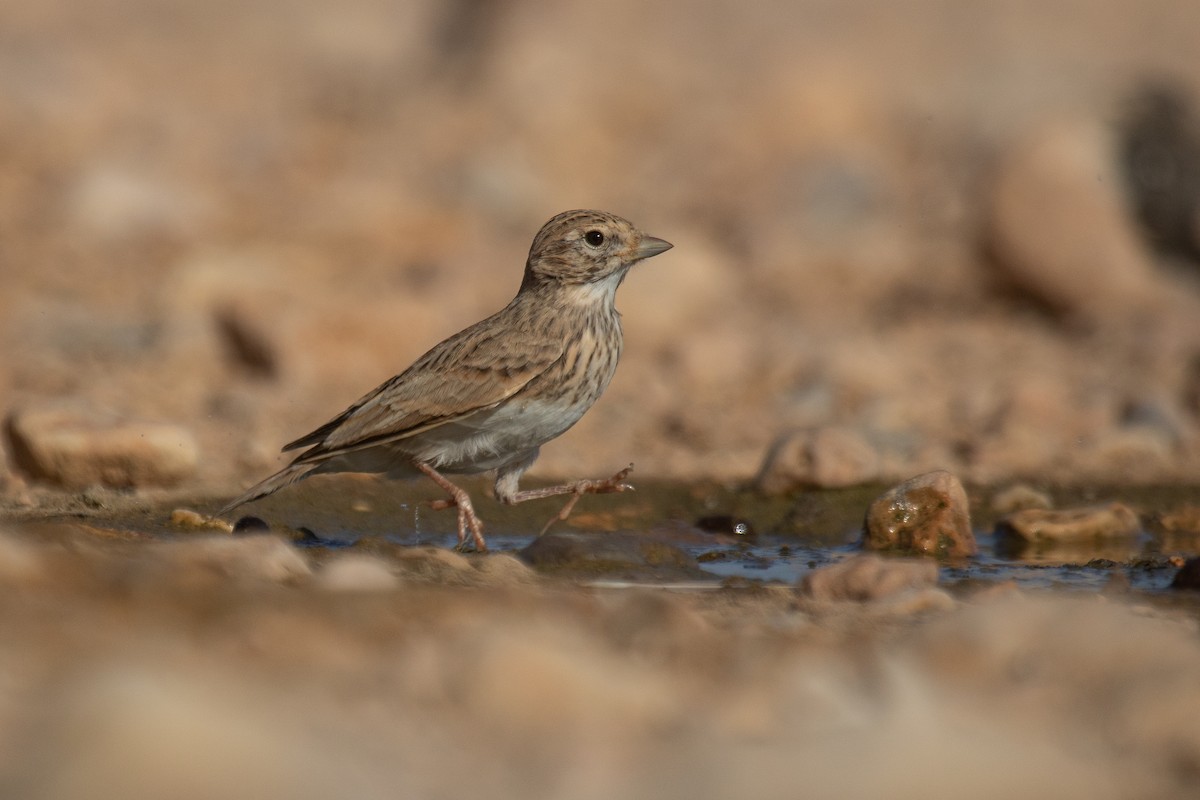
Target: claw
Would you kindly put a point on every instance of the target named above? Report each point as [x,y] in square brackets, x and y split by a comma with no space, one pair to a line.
[468,520]
[580,488]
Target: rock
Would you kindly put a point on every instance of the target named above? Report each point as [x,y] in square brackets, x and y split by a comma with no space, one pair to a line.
[1180,520]
[503,569]
[1157,414]
[193,520]
[257,558]
[610,555]
[1019,497]
[115,200]
[928,514]
[1160,154]
[1058,227]
[1114,520]
[249,525]
[247,343]
[76,448]
[356,572]
[1137,454]
[1033,424]
[439,565]
[918,601]
[435,564]
[828,457]
[868,577]
[842,457]
[1188,576]
[728,525]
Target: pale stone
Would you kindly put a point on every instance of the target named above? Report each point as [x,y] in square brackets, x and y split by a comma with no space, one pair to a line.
[76,447]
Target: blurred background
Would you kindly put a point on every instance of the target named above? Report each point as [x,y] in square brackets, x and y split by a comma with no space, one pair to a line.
[934,233]
[909,234]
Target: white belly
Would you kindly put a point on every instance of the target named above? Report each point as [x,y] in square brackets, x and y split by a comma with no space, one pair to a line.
[495,437]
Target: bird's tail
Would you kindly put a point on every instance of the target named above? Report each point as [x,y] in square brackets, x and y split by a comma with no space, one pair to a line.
[285,477]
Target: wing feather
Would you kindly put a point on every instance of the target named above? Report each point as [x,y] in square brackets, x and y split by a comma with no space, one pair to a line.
[471,371]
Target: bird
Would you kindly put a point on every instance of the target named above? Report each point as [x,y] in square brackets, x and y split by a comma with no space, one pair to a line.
[488,397]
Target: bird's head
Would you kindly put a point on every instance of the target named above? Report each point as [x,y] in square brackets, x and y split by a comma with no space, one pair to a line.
[582,247]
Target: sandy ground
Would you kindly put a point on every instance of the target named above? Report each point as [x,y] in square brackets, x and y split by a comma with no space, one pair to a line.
[232,667]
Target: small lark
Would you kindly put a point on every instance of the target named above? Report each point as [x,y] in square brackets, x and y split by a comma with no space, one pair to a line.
[490,396]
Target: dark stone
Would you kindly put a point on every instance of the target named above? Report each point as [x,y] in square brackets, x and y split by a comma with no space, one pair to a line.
[249,525]
[1188,576]
[305,535]
[728,525]
[1160,155]
[248,346]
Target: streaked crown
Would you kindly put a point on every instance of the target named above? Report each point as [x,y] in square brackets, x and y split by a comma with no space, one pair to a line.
[587,246]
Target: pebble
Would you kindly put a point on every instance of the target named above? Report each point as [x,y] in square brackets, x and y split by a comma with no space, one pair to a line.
[1019,497]
[928,514]
[435,564]
[441,566]
[828,457]
[193,520]
[1059,228]
[728,525]
[247,343]
[1114,520]
[841,456]
[917,601]
[76,447]
[503,569]
[357,572]
[1179,520]
[1188,576]
[868,577]
[249,525]
[260,558]
[1160,149]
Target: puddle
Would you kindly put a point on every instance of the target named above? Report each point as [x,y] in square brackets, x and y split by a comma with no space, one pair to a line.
[794,534]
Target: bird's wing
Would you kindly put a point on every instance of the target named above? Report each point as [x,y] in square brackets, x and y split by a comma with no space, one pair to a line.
[471,371]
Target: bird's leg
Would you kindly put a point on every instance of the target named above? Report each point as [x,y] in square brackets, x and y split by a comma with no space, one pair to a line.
[506,492]
[467,518]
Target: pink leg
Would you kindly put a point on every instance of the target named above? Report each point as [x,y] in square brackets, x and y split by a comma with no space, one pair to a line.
[467,518]
[576,489]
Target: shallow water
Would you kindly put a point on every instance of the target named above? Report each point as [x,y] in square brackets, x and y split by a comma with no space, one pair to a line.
[794,533]
[785,560]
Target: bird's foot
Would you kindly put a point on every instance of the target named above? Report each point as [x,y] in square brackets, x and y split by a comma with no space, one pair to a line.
[579,488]
[458,498]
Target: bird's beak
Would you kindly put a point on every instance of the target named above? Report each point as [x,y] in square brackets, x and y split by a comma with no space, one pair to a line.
[650,246]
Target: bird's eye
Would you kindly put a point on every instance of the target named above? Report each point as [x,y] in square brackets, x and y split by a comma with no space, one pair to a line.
[594,238]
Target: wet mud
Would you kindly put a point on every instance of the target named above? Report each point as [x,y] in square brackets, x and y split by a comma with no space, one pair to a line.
[729,531]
